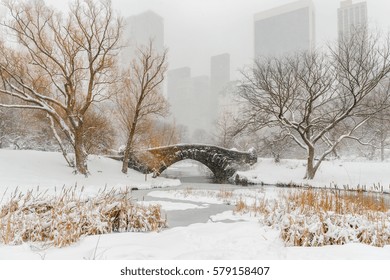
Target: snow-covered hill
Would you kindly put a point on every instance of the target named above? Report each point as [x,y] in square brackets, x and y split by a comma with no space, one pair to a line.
[30,169]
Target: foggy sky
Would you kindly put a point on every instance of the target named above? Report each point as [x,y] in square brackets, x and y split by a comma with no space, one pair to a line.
[198,29]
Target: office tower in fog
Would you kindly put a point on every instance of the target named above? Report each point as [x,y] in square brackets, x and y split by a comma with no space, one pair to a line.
[219,80]
[139,30]
[195,100]
[201,105]
[285,29]
[179,92]
[219,72]
[189,98]
[351,17]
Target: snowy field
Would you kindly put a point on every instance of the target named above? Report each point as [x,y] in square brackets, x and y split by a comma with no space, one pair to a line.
[224,236]
[30,169]
[337,173]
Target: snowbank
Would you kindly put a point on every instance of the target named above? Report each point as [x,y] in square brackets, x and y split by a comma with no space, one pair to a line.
[343,174]
[240,240]
[29,169]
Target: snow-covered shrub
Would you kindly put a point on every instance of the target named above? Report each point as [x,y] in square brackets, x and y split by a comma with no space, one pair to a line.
[323,217]
[319,229]
[63,219]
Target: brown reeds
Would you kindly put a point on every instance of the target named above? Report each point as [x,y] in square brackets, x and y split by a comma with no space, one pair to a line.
[315,217]
[64,218]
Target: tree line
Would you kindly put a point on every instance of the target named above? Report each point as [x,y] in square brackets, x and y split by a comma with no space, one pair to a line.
[65,66]
[317,100]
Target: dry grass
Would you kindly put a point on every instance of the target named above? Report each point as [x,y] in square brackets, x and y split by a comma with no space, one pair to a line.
[315,217]
[337,201]
[222,194]
[225,194]
[188,191]
[258,207]
[242,207]
[63,219]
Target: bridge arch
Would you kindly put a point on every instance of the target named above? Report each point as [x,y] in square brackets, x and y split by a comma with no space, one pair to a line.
[223,163]
[210,162]
[188,168]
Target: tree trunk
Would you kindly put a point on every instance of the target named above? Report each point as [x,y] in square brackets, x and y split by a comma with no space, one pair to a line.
[310,168]
[382,150]
[128,150]
[129,144]
[126,157]
[59,141]
[383,141]
[80,153]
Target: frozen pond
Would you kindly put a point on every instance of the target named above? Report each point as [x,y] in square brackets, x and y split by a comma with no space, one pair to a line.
[189,216]
[200,212]
[192,176]
[184,212]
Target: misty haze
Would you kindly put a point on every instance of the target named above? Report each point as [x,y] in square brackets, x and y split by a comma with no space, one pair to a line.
[183,129]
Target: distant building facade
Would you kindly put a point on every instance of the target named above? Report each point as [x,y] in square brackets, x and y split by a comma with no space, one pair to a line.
[219,72]
[219,81]
[139,30]
[285,29]
[351,17]
[202,109]
[179,93]
[189,98]
[196,101]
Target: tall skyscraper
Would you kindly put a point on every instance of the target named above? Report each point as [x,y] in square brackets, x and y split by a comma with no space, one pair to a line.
[201,107]
[351,17]
[219,72]
[285,29]
[189,98]
[219,80]
[195,100]
[179,93]
[139,30]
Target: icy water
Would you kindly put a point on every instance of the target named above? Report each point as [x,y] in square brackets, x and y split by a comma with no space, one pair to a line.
[190,216]
[194,178]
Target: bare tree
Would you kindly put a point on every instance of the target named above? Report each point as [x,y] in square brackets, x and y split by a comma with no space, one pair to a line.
[310,96]
[228,127]
[276,144]
[377,129]
[160,133]
[381,123]
[99,133]
[63,63]
[141,96]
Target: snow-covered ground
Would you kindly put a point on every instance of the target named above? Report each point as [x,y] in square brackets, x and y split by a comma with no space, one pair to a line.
[239,240]
[340,173]
[30,169]
[225,236]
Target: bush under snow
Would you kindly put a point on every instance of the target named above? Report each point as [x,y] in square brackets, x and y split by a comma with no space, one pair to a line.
[63,219]
[322,217]
[320,229]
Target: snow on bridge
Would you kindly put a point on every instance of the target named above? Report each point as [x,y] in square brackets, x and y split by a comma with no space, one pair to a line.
[222,162]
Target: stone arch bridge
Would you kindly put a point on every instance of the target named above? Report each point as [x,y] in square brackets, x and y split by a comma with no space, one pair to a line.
[222,162]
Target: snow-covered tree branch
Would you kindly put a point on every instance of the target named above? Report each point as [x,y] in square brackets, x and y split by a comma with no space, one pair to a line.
[141,94]
[311,95]
[63,63]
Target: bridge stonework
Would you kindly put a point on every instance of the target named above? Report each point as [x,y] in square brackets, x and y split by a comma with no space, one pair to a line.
[222,162]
